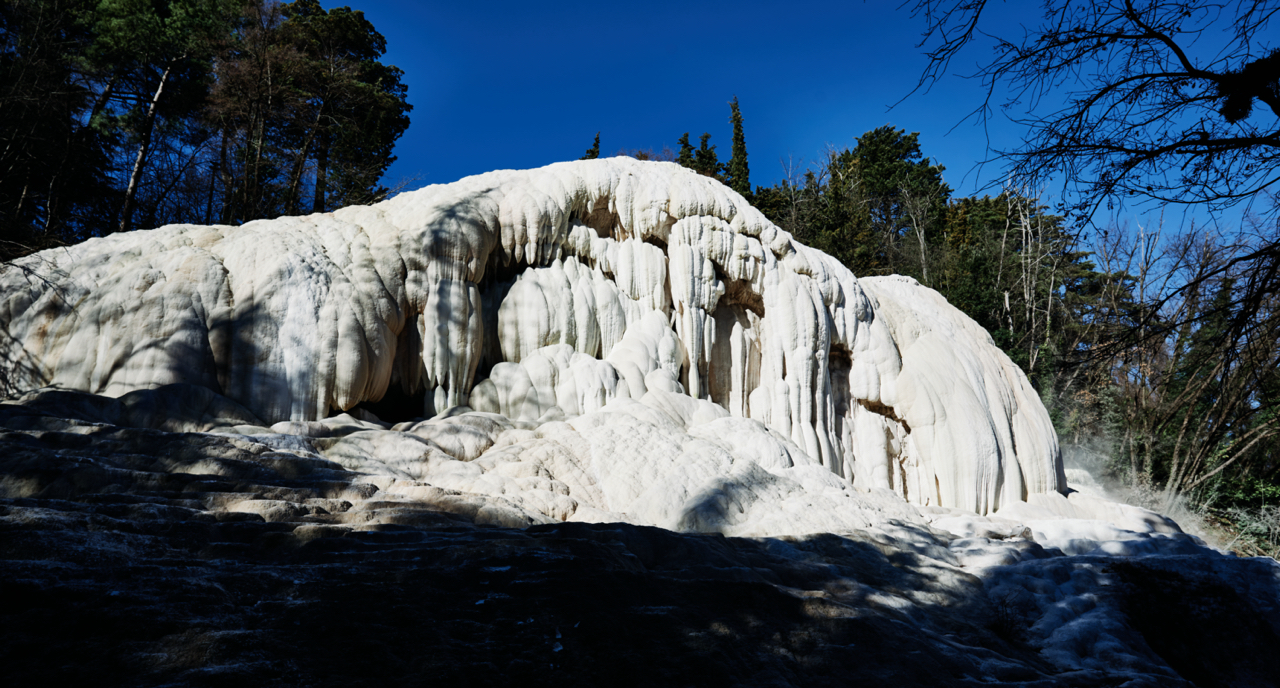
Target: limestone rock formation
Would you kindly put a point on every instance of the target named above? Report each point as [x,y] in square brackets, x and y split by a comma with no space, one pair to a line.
[627,312]
[427,438]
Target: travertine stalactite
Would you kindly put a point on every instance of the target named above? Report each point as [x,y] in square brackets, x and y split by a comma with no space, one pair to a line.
[565,290]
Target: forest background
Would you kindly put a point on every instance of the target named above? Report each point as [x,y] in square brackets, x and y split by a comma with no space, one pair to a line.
[1157,351]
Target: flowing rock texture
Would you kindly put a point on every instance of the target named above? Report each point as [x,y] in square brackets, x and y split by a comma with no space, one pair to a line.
[635,319]
[197,485]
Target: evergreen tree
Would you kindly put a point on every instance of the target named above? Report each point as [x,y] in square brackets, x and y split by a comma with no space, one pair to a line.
[260,81]
[893,170]
[162,49]
[323,124]
[123,113]
[594,151]
[56,182]
[704,159]
[1014,269]
[882,208]
[355,106]
[878,208]
[685,157]
[737,174]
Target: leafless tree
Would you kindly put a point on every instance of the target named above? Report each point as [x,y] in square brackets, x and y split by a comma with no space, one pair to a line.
[1168,102]
[1192,397]
[1176,102]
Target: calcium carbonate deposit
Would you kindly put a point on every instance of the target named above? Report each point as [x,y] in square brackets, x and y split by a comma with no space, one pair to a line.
[649,326]
[603,342]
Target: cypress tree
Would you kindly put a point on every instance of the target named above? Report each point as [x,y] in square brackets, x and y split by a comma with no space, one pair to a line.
[594,151]
[737,171]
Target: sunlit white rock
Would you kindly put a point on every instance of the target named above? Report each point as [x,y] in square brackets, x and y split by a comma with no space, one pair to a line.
[607,289]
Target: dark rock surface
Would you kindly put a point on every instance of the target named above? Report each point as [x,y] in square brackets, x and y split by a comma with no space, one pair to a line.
[134,556]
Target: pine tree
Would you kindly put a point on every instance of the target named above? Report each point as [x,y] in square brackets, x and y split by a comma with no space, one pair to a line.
[594,151]
[736,172]
[354,110]
[260,84]
[893,170]
[704,159]
[686,152]
[166,46]
[304,107]
[56,181]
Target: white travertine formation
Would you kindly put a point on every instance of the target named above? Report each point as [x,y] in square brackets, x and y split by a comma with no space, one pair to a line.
[699,359]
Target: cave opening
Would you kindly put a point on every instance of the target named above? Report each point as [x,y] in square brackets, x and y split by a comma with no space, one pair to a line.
[739,293]
[839,363]
[397,405]
[655,241]
[498,272]
[600,219]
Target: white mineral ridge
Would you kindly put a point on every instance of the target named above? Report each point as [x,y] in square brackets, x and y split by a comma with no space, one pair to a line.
[617,339]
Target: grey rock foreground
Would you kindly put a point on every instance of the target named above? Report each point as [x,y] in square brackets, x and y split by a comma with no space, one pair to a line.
[141,556]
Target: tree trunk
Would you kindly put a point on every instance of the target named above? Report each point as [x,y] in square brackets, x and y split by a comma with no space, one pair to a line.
[17,212]
[51,201]
[213,183]
[295,180]
[148,123]
[924,266]
[322,169]
[253,203]
[101,102]
[225,213]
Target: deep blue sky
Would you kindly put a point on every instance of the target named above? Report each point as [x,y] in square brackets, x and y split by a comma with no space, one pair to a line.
[518,84]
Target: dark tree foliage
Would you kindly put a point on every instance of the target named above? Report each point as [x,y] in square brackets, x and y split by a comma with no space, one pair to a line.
[255,105]
[123,113]
[157,54]
[304,104]
[883,208]
[904,189]
[736,172]
[594,151]
[705,161]
[870,207]
[356,107]
[685,156]
[827,208]
[55,164]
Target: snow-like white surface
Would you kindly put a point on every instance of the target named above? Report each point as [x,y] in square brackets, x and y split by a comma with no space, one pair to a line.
[617,289]
[605,341]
